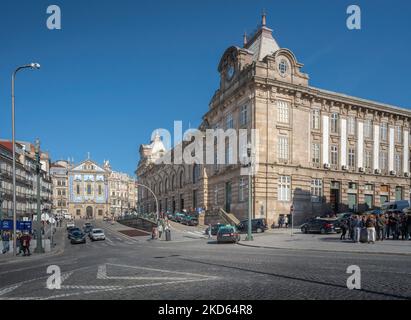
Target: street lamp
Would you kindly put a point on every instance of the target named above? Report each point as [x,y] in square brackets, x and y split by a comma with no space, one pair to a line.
[249,165]
[39,247]
[157,211]
[33,66]
[2,195]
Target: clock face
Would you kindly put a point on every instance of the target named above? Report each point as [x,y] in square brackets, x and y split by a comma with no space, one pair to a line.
[230,72]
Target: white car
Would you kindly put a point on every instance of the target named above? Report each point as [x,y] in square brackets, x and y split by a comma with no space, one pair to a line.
[97,234]
[70,225]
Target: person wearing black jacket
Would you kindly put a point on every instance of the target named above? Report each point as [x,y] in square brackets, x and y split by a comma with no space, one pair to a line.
[380,227]
[408,226]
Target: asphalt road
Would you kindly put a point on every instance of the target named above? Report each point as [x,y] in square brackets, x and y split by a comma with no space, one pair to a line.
[123,268]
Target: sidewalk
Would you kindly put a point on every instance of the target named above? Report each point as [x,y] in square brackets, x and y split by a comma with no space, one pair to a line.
[282,239]
[56,248]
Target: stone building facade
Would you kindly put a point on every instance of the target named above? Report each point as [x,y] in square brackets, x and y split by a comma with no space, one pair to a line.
[26,180]
[318,151]
[90,190]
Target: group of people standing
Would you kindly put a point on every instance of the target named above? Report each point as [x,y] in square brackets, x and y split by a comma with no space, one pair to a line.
[22,242]
[162,227]
[378,227]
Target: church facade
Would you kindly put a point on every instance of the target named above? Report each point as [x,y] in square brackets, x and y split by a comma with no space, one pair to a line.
[318,152]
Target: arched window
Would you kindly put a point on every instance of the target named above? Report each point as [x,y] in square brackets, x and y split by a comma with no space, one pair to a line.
[196,172]
[181,180]
[166,185]
[160,187]
[172,182]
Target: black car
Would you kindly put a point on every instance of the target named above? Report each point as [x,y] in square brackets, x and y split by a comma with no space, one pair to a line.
[257,225]
[321,225]
[71,230]
[87,228]
[190,220]
[228,234]
[77,237]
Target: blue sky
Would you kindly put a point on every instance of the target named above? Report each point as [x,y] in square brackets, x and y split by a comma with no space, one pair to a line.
[120,69]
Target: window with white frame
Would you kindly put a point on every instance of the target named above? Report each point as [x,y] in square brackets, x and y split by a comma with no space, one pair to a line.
[284,188]
[351,126]
[282,148]
[334,122]
[383,131]
[383,160]
[243,115]
[316,190]
[351,157]
[315,119]
[397,162]
[398,134]
[334,155]
[315,153]
[368,159]
[368,129]
[229,121]
[242,189]
[282,111]
[215,195]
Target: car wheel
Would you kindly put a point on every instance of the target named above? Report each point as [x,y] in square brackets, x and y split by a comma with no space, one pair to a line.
[322,231]
[304,230]
[259,230]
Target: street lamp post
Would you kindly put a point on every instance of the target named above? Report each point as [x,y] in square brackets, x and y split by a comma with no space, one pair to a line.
[249,236]
[157,211]
[39,247]
[13,77]
[2,194]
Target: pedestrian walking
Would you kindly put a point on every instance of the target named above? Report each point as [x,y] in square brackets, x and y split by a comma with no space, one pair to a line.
[160,230]
[286,221]
[344,227]
[370,225]
[355,222]
[19,245]
[209,231]
[380,227]
[6,241]
[25,241]
[408,226]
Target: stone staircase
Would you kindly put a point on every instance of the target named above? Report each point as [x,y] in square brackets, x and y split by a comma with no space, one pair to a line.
[218,215]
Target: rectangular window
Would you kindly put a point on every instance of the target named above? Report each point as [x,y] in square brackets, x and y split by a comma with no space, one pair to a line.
[351,157]
[78,212]
[398,134]
[369,201]
[100,190]
[315,119]
[397,162]
[229,121]
[316,190]
[242,184]
[368,129]
[384,188]
[383,161]
[282,148]
[89,189]
[383,131]
[215,195]
[352,202]
[351,126]
[284,188]
[398,193]
[315,151]
[334,155]
[282,111]
[334,123]
[369,187]
[243,115]
[368,159]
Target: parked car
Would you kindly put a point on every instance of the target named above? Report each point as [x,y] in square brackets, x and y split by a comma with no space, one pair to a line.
[87,229]
[97,234]
[214,229]
[228,234]
[190,220]
[77,237]
[257,225]
[321,225]
[170,215]
[70,225]
[179,216]
[71,231]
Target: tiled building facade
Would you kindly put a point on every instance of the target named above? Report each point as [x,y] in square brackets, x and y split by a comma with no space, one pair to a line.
[318,151]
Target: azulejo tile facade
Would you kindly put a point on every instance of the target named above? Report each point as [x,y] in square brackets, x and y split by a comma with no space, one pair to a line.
[319,151]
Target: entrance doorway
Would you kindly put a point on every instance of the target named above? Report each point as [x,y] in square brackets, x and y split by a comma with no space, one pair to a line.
[335,196]
[89,212]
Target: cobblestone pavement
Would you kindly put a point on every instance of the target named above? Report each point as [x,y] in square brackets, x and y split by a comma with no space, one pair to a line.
[123,267]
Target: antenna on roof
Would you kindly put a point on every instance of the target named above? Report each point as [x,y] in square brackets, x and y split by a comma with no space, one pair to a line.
[245,39]
[263,18]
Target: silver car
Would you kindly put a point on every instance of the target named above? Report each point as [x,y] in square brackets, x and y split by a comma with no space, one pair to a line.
[97,234]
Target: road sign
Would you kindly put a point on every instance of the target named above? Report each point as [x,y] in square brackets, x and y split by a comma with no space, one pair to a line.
[21,225]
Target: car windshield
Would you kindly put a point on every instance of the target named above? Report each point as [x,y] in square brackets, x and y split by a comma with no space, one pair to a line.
[226,230]
[77,233]
[97,231]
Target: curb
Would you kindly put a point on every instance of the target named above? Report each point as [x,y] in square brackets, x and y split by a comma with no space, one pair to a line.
[324,250]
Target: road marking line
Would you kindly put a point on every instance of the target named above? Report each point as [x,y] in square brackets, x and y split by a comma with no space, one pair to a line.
[109,240]
[9,289]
